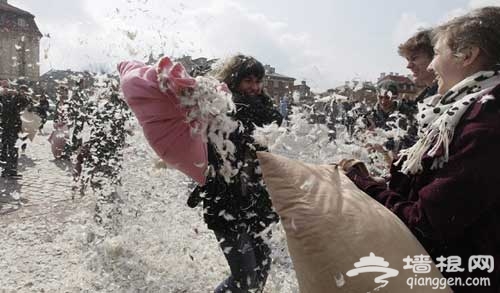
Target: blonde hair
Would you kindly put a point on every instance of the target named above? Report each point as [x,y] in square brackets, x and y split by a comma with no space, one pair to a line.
[478,28]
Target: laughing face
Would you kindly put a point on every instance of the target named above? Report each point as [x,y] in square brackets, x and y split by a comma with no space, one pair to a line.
[250,86]
[418,63]
[447,66]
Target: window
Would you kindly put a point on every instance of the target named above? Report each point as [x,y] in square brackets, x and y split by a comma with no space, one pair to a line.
[21,22]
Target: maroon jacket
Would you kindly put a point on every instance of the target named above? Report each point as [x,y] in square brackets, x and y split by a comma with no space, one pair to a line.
[455,210]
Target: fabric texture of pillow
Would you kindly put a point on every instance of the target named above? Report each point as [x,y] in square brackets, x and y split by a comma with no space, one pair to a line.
[333,228]
[163,120]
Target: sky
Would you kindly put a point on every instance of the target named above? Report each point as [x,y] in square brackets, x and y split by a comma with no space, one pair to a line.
[324,42]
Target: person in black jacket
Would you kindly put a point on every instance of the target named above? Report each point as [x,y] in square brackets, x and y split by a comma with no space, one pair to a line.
[13,102]
[240,212]
[389,114]
[43,109]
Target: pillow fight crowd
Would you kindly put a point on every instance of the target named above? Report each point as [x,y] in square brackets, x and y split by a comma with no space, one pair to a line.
[95,157]
[443,171]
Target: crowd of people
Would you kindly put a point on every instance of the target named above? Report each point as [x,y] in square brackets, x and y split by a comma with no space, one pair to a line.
[393,117]
[441,149]
[13,100]
[442,181]
[95,158]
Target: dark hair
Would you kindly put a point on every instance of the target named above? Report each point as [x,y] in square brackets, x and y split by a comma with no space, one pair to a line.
[421,42]
[239,67]
[387,86]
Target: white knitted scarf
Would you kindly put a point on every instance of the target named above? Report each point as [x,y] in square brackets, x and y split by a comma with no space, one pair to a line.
[438,116]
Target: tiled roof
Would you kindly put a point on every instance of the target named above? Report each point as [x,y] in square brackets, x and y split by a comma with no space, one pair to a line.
[396,78]
[277,75]
[9,23]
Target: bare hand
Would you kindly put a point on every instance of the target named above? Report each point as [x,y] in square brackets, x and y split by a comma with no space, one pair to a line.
[352,164]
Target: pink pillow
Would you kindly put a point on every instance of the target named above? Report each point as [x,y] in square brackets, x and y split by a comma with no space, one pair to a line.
[161,116]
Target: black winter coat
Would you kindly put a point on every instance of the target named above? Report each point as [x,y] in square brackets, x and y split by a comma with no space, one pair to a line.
[11,108]
[244,203]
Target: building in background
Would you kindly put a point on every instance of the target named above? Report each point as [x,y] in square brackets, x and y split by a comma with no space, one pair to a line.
[19,43]
[278,85]
[52,79]
[358,91]
[406,87]
[198,66]
[304,93]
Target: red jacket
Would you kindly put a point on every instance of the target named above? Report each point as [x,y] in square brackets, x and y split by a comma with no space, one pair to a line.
[455,210]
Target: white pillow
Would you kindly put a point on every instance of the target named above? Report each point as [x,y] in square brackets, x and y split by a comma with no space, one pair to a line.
[330,225]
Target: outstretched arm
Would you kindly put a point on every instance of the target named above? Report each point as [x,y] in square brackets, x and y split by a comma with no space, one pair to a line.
[463,190]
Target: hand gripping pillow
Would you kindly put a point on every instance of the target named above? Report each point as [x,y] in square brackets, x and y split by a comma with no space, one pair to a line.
[339,238]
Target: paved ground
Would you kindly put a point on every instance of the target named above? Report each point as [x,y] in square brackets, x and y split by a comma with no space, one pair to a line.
[44,188]
[50,243]
[36,213]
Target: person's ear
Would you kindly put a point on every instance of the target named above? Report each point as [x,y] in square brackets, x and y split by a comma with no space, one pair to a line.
[471,55]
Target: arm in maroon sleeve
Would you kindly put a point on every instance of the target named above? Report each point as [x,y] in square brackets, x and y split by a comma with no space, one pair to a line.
[366,183]
[465,188]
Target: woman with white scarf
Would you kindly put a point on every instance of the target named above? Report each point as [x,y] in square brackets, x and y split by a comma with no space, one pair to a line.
[445,188]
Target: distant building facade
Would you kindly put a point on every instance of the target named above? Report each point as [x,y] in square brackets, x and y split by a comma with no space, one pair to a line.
[358,91]
[52,79]
[19,43]
[278,85]
[304,93]
[406,87]
[198,66]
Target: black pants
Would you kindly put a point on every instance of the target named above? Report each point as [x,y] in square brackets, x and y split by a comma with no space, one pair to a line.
[249,260]
[9,154]
[76,139]
[43,119]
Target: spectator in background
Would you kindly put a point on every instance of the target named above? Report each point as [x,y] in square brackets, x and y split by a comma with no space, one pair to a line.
[13,102]
[284,103]
[393,116]
[43,109]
